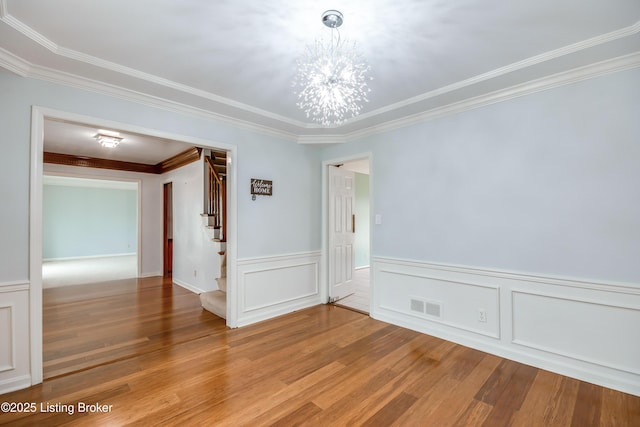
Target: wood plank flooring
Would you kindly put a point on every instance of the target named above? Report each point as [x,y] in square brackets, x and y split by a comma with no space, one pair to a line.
[147,351]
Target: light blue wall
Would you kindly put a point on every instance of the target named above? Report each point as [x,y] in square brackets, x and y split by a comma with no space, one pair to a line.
[545,183]
[83,221]
[288,222]
[15,117]
[362,220]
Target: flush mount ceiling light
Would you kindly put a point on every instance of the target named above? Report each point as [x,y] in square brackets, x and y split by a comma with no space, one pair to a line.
[331,82]
[108,138]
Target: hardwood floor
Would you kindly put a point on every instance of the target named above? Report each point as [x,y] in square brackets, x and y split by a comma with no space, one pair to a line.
[147,352]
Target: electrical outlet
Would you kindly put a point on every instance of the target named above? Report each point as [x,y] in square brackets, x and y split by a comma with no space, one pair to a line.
[482,315]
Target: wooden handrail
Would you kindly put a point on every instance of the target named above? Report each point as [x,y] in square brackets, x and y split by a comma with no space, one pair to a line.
[213,169]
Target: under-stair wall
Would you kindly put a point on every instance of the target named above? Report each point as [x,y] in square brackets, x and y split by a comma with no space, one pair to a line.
[196,263]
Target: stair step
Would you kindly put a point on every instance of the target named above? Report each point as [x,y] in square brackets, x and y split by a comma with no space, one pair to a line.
[215,302]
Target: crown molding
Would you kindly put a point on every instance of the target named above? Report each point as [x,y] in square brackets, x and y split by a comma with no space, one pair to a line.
[321,139]
[13,63]
[43,41]
[56,49]
[94,162]
[79,82]
[181,159]
[590,71]
[111,66]
[23,68]
[528,62]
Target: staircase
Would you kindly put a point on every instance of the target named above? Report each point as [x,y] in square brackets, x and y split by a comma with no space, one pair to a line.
[216,220]
[216,188]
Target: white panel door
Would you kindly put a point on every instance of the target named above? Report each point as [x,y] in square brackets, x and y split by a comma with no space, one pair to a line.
[341,232]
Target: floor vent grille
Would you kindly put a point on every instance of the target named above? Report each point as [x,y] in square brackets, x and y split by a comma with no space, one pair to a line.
[433,309]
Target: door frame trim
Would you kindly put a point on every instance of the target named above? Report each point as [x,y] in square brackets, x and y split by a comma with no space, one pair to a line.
[324,259]
[38,115]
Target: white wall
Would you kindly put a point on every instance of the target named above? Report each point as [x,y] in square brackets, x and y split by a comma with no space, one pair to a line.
[196,263]
[528,209]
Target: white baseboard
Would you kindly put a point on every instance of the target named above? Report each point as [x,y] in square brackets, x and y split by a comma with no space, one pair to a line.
[188,286]
[278,310]
[78,258]
[575,328]
[152,274]
[14,384]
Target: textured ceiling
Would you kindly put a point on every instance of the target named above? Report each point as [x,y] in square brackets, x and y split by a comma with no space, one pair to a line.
[236,59]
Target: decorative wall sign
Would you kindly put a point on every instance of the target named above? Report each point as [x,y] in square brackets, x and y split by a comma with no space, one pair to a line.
[261,187]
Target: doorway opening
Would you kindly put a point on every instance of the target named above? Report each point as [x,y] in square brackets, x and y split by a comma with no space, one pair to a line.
[167,230]
[348,233]
[90,230]
[150,262]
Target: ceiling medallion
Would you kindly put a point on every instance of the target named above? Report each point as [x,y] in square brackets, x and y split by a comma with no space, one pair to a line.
[331,80]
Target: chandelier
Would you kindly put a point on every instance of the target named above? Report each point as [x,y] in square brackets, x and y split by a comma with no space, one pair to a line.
[331,82]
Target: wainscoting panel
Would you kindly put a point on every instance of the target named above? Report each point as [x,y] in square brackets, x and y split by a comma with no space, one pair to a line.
[581,329]
[14,337]
[272,286]
[7,338]
[460,303]
[590,331]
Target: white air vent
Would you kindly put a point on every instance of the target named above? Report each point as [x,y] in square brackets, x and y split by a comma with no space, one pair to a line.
[433,308]
[417,305]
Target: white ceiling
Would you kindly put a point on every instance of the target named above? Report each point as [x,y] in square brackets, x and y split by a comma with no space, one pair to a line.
[236,59]
[79,139]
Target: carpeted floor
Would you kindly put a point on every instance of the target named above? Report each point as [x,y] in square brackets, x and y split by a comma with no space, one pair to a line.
[88,270]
